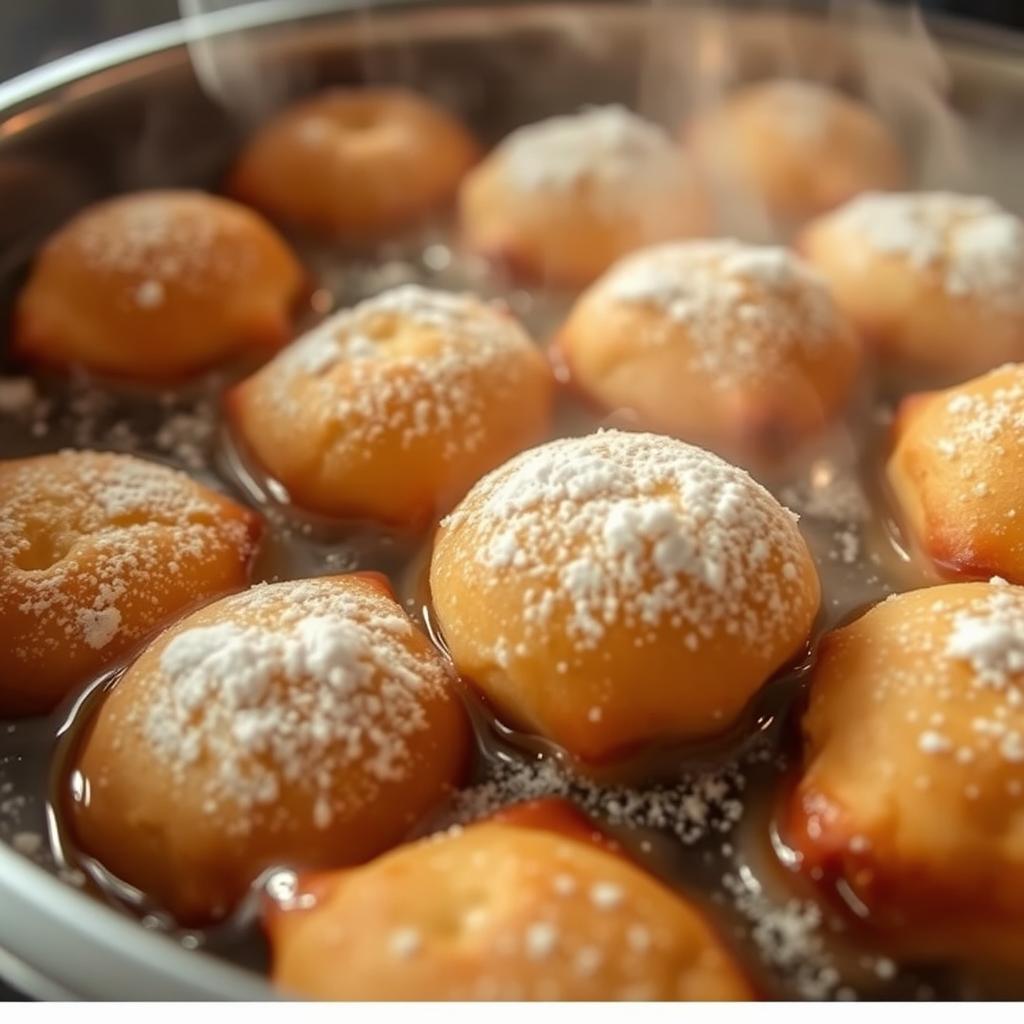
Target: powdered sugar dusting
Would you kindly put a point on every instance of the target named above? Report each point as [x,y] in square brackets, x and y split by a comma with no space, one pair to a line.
[364,367]
[623,949]
[149,294]
[82,537]
[978,419]
[99,627]
[984,635]
[746,308]
[639,530]
[291,685]
[973,245]
[161,239]
[992,641]
[702,804]
[610,146]
[973,435]
[790,937]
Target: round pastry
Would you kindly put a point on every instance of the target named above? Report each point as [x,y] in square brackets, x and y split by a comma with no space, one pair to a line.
[96,551]
[735,346]
[912,790]
[157,284]
[957,474]
[934,280]
[620,588]
[561,200]
[355,164]
[306,723]
[495,911]
[794,149]
[392,409]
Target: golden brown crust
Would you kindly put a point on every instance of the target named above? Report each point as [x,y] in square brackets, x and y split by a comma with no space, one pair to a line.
[957,474]
[355,164]
[934,281]
[910,793]
[561,200]
[796,148]
[307,724]
[500,912]
[733,346]
[96,552]
[156,285]
[391,410]
[618,589]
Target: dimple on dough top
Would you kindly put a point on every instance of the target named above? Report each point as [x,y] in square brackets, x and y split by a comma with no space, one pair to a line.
[98,549]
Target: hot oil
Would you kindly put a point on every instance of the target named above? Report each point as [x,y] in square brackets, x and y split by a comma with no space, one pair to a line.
[728,867]
[795,943]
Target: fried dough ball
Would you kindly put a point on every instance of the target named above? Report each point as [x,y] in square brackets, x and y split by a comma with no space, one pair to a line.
[616,589]
[96,551]
[559,201]
[155,285]
[934,280]
[796,149]
[306,723]
[391,410]
[957,473]
[912,789]
[497,911]
[735,346]
[355,164]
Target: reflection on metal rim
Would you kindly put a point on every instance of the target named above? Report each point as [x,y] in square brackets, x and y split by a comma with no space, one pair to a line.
[31,85]
[82,943]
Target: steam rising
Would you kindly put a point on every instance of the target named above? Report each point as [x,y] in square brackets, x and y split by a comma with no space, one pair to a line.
[905,77]
[687,57]
[232,66]
[695,54]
